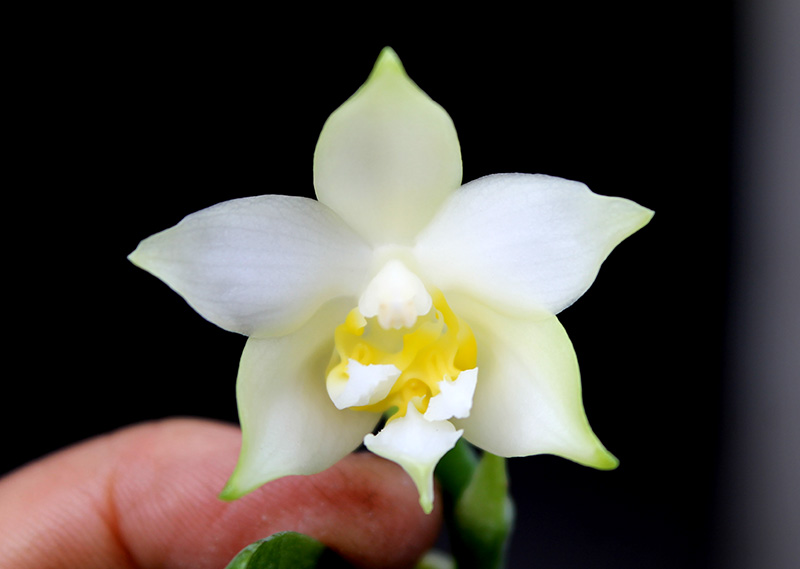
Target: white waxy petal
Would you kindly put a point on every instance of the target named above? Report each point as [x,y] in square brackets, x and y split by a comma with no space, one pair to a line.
[388,157]
[417,445]
[529,398]
[258,266]
[396,296]
[524,243]
[454,398]
[365,384]
[289,423]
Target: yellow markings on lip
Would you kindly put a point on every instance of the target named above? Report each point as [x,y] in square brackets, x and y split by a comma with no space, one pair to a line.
[438,345]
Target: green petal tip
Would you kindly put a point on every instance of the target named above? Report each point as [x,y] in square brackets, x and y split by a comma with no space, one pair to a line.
[605,461]
[387,63]
[388,57]
[232,490]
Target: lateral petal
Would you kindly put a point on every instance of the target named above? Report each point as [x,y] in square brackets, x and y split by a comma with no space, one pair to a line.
[528,397]
[524,242]
[259,266]
[289,423]
[388,157]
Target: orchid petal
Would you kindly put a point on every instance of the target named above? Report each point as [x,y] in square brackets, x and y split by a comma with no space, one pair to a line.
[289,424]
[363,385]
[388,157]
[417,445]
[259,266]
[528,398]
[454,398]
[523,242]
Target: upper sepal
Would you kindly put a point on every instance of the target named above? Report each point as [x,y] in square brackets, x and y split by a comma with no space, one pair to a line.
[388,157]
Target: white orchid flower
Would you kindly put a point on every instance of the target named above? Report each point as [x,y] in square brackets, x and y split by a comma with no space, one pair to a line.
[398,290]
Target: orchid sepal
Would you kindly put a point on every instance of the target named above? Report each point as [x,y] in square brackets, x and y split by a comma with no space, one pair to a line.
[388,157]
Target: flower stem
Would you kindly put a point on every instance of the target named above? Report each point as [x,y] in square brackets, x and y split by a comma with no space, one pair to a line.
[479,512]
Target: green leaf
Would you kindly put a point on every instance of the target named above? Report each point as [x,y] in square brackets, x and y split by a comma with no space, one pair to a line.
[287,550]
[242,559]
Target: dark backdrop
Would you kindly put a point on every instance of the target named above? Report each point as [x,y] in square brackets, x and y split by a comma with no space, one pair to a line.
[134,120]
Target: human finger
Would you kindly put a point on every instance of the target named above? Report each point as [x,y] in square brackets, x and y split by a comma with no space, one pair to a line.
[146,496]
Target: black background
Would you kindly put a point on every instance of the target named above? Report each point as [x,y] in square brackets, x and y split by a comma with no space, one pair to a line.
[132,120]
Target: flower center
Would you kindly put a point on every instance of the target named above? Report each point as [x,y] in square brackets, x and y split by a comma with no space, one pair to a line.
[403,344]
